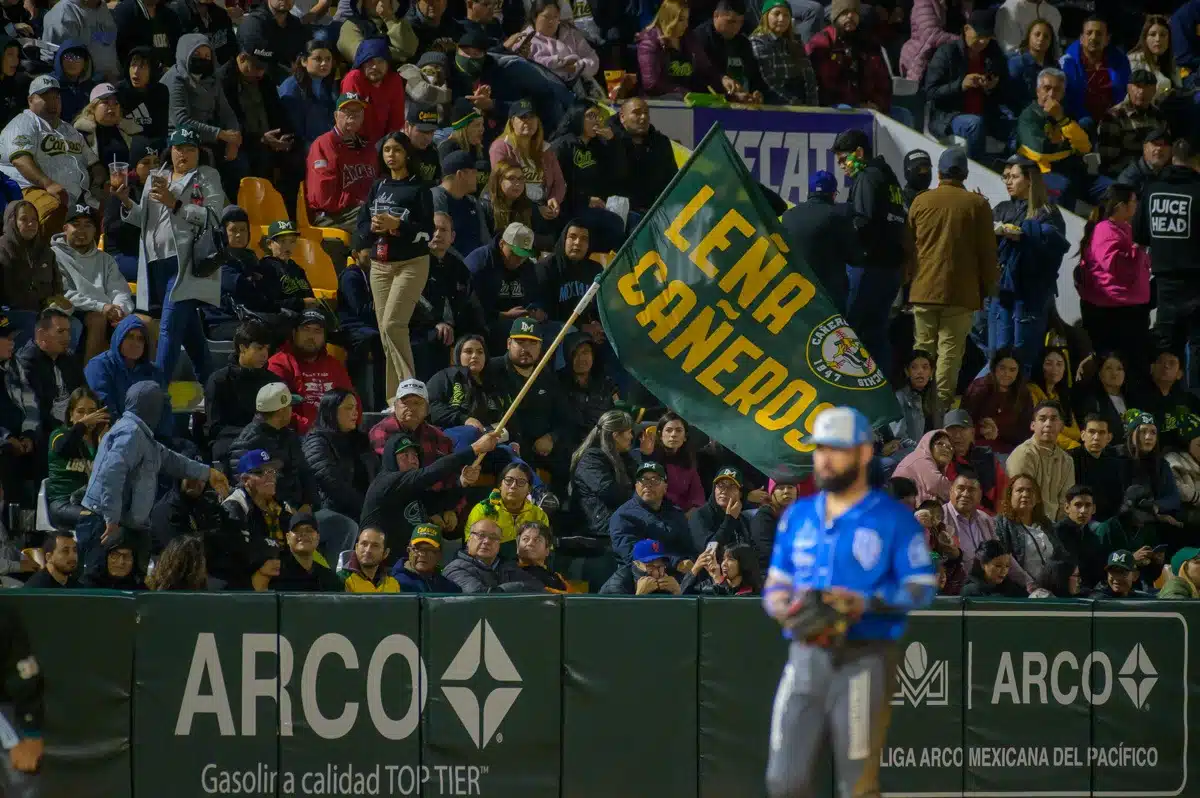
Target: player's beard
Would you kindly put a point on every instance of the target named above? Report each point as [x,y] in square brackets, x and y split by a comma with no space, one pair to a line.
[841,481]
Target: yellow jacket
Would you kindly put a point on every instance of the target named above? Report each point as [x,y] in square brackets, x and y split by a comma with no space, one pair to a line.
[493,508]
[357,583]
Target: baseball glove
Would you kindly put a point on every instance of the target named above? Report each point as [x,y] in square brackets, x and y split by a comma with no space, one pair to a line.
[818,618]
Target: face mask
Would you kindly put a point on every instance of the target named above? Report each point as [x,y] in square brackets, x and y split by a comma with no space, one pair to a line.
[469,66]
[919,179]
[200,67]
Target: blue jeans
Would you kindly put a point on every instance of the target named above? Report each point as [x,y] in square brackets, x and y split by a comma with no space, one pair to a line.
[128,264]
[23,321]
[181,327]
[971,128]
[1014,323]
[868,309]
[87,541]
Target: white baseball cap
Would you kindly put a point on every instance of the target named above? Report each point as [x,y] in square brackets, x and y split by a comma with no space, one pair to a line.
[411,387]
[274,396]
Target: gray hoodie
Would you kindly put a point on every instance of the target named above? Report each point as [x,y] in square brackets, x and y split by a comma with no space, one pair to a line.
[124,477]
[199,103]
[95,26]
[91,279]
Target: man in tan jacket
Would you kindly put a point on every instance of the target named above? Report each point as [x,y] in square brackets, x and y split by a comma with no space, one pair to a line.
[1043,460]
[955,267]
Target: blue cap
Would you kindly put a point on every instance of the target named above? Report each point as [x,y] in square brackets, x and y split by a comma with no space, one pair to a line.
[822,182]
[252,461]
[647,550]
[841,428]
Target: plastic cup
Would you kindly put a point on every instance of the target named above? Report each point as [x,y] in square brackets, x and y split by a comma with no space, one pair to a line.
[118,172]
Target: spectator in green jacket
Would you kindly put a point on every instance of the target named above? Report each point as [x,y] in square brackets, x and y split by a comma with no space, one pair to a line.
[72,451]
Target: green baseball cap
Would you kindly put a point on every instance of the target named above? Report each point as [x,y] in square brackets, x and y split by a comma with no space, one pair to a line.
[525,327]
[650,467]
[426,533]
[405,443]
[729,472]
[283,227]
[1182,556]
[351,97]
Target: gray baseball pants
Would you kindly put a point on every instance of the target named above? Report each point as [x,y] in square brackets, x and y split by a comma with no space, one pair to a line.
[837,694]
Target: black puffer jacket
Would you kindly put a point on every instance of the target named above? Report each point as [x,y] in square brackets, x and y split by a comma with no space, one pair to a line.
[295,485]
[762,533]
[502,576]
[592,399]
[596,493]
[710,523]
[343,465]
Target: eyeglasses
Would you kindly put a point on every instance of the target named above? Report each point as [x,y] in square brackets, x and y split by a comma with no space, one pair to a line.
[651,482]
[489,538]
[513,482]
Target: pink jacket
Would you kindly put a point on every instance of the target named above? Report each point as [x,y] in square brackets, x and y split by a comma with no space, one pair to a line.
[1114,272]
[553,52]
[552,176]
[928,23]
[920,468]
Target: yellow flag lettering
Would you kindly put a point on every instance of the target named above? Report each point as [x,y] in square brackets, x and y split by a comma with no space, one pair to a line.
[718,238]
[750,271]
[761,383]
[699,339]
[628,284]
[656,313]
[693,207]
[799,393]
[793,437]
[727,362]
[779,307]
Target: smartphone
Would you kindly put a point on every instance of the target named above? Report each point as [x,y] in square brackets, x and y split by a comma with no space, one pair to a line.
[711,547]
[1160,548]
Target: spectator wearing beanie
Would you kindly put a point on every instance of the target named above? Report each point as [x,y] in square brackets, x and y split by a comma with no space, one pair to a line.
[965,83]
[341,168]
[1128,125]
[955,267]
[928,32]
[1097,73]
[849,65]
[466,134]
[918,175]
[822,233]
[784,65]
[381,89]
[144,99]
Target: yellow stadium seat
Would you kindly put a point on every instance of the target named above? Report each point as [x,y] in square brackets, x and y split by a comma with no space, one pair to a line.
[262,203]
[317,266]
[302,209]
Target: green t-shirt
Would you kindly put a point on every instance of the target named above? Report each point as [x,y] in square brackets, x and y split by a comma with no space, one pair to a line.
[70,461]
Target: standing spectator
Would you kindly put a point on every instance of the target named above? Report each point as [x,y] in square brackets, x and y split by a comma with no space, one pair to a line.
[980,460]
[990,572]
[1056,142]
[1041,459]
[29,275]
[928,32]
[86,21]
[365,571]
[271,432]
[448,307]
[1123,131]
[650,513]
[112,373]
[926,466]
[309,94]
[298,566]
[1024,529]
[1014,19]
[455,198]
[52,369]
[376,19]
[1052,383]
[877,213]
[72,451]
[61,555]
[555,44]
[339,455]
[670,59]
[822,234]
[147,23]
[381,90]
[92,281]
[211,19]
[849,64]
[273,24]
[1105,393]
[646,157]
[964,83]
[421,570]
[719,521]
[1000,401]
[479,567]
[955,267]
[305,366]
[145,101]
[1153,52]
[674,451]
[1156,156]
[420,122]
[1038,50]
[728,49]
[1105,469]
[782,59]
[1097,74]
[341,168]
[1076,529]
[231,392]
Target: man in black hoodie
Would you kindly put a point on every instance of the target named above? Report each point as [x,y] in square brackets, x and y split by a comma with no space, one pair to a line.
[143,98]
[565,276]
[646,160]
[1101,467]
[1167,208]
[448,307]
[229,397]
[436,30]
[589,393]
[728,49]
[583,146]
[720,519]
[918,175]
[147,24]
[823,235]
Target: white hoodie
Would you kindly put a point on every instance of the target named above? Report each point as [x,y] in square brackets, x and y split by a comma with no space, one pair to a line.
[91,279]
[1014,18]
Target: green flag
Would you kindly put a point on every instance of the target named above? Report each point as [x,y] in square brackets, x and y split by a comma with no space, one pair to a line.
[709,309]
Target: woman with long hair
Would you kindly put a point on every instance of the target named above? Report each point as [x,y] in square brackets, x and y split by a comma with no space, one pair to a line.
[1038,50]
[1113,279]
[1148,465]
[1031,242]
[29,275]
[999,403]
[1024,530]
[990,572]
[764,522]
[339,455]
[602,470]
[554,43]
[735,573]
[73,448]
[395,224]
[523,144]
[105,127]
[785,66]
[1052,382]
[1153,52]
[670,61]
[504,200]
[456,394]
[309,94]
[1062,579]
[920,410]
[181,566]
[1104,392]
[673,450]
[466,134]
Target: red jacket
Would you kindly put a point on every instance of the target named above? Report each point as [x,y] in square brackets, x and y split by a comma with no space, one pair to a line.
[832,61]
[339,175]
[310,379]
[385,103]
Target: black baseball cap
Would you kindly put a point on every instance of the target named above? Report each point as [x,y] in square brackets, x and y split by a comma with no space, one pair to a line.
[422,116]
[648,467]
[475,38]
[522,107]
[456,161]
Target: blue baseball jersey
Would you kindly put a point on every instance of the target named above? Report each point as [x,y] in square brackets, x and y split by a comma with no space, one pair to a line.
[876,548]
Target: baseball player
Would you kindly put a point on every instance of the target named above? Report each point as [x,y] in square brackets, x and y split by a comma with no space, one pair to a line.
[20,709]
[848,564]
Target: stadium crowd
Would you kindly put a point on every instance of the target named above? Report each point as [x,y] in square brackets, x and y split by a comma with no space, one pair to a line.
[363,221]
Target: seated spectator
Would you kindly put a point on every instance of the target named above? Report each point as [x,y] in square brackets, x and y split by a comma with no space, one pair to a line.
[1041,458]
[989,577]
[1120,577]
[381,90]
[927,464]
[928,32]
[1024,529]
[209,18]
[1057,143]
[724,42]
[1102,467]
[188,508]
[1163,394]
[181,566]
[903,490]
[405,493]
[504,201]
[970,527]
[1104,394]
[339,456]
[964,82]
[421,572]
[21,432]
[1148,467]
[677,455]
[1052,383]
[479,568]
[409,417]
[92,281]
[720,519]
[73,71]
[1184,582]
[589,393]
[822,232]
[122,240]
[104,128]
[586,158]
[262,567]
[920,410]
[943,543]
[61,557]
[484,16]
[646,573]
[555,44]
[144,100]
[435,29]
[365,571]
[111,374]
[650,515]
[534,546]
[849,64]
[1097,73]
[466,134]
[275,289]
[51,368]
[1031,242]
[30,279]
[1156,156]
[46,157]
[736,573]
[523,144]
[1015,18]
[670,59]
[645,157]
[274,28]
[1153,52]
[305,366]
[117,571]
[456,198]
[198,102]
[299,569]
[449,307]
[1124,129]
[783,63]
[370,19]
[457,394]
[1038,50]
[765,520]
[564,277]
[506,281]
[254,512]
[231,392]
[979,459]
[271,431]
[341,168]
[1185,466]
[1076,530]
[509,506]
[72,451]
[309,94]
[121,488]
[1000,400]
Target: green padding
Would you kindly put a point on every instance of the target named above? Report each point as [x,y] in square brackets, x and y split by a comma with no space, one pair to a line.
[355,690]
[493,721]
[84,643]
[1025,664]
[629,697]
[206,706]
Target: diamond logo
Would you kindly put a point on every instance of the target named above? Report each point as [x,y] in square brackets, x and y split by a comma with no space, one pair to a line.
[481,646]
[1137,676]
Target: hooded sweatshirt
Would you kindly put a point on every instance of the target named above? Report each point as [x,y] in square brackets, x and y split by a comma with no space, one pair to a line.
[564,281]
[587,166]
[136,28]
[148,106]
[711,523]
[592,399]
[198,102]
[1185,42]
[920,467]
[1164,222]
[90,279]
[29,274]
[69,19]
[14,91]
[75,93]
[310,379]
[125,475]
[500,288]
[108,375]
[385,102]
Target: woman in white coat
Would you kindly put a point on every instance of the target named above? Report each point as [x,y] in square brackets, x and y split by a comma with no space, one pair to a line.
[181,201]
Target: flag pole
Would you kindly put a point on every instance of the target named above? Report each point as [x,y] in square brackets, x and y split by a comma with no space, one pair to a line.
[548,355]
